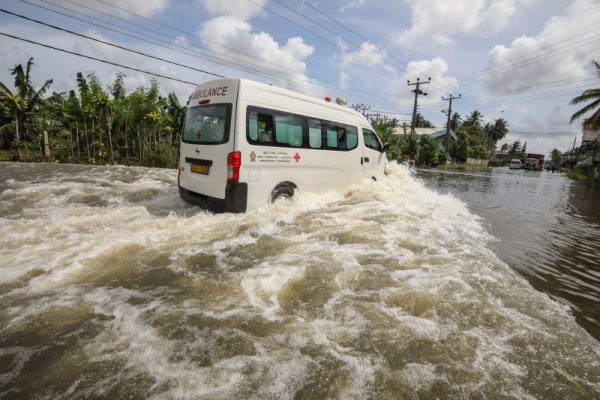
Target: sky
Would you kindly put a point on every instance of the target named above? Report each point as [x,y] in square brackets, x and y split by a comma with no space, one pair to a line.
[520,60]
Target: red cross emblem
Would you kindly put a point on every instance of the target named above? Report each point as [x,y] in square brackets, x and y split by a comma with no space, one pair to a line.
[297,157]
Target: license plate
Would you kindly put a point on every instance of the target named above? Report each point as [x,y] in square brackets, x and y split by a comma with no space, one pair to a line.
[201,169]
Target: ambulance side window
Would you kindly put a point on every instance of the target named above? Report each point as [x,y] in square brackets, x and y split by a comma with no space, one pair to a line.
[314,134]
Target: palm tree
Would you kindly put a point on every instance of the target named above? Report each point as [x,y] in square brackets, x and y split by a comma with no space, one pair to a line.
[176,112]
[593,95]
[74,110]
[474,119]
[105,105]
[455,121]
[31,97]
[24,102]
[556,158]
[421,122]
[14,103]
[496,131]
[62,112]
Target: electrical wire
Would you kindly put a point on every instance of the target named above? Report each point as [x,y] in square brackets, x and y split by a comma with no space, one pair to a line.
[493,71]
[260,71]
[96,59]
[111,44]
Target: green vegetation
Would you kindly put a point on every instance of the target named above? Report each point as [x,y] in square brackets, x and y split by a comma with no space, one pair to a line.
[107,125]
[475,140]
[94,125]
[582,162]
[593,96]
[556,158]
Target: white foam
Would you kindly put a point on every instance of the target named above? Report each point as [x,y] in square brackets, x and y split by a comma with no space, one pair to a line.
[263,284]
[388,267]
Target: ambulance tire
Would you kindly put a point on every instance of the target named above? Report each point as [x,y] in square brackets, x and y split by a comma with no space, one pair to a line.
[284,190]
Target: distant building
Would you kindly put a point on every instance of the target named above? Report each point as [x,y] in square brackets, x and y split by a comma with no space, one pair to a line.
[440,138]
[589,151]
[419,131]
[590,136]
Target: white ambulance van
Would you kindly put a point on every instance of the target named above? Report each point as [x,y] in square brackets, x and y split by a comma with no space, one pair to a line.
[245,144]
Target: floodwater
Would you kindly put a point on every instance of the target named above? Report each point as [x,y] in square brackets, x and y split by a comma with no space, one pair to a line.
[112,287]
[547,227]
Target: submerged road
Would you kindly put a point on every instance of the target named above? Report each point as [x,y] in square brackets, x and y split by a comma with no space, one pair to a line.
[112,287]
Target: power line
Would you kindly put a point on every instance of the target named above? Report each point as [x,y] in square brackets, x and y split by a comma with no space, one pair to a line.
[368,60]
[96,59]
[351,31]
[261,72]
[111,44]
[336,21]
[199,55]
[499,69]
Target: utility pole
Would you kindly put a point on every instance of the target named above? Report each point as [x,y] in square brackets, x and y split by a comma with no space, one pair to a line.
[450,98]
[362,108]
[417,92]
[572,153]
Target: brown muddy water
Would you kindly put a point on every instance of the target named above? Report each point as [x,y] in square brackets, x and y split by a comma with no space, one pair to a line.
[112,287]
[546,226]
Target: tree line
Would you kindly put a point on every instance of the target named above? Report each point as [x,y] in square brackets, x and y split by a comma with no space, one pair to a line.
[100,125]
[108,125]
[92,124]
[474,139]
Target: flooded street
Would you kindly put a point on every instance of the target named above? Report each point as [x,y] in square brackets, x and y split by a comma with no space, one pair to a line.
[546,225]
[112,287]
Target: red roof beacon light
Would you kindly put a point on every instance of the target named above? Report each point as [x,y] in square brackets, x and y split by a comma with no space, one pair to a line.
[328,99]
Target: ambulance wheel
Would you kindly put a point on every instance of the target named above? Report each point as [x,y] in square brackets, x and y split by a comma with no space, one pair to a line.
[283,191]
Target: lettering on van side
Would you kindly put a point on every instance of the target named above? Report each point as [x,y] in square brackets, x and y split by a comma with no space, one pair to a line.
[210,92]
[274,157]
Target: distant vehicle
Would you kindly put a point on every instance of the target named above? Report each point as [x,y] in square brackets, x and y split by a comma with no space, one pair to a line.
[534,162]
[245,144]
[515,163]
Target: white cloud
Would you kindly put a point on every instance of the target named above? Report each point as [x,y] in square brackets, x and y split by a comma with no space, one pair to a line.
[441,84]
[441,20]
[259,51]
[368,54]
[352,5]
[343,81]
[533,54]
[62,67]
[242,9]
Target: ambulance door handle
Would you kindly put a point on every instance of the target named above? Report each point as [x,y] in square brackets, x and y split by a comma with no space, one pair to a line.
[366,159]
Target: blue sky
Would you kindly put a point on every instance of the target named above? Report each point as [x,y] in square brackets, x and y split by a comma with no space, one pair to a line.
[522,60]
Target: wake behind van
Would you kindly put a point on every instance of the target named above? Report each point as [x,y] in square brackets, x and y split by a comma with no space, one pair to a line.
[245,144]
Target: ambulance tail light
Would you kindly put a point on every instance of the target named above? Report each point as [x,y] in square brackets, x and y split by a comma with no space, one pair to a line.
[234,161]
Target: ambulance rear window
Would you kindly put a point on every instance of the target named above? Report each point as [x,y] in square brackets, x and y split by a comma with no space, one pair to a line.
[207,124]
